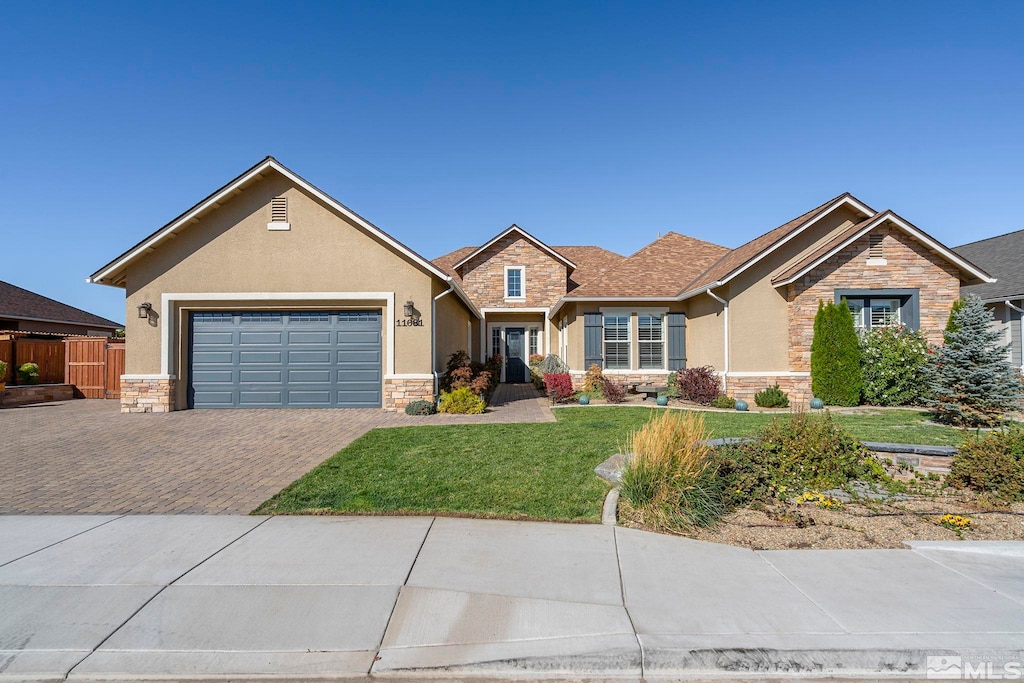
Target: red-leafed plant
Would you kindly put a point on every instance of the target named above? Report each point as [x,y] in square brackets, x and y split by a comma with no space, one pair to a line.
[613,392]
[699,385]
[558,386]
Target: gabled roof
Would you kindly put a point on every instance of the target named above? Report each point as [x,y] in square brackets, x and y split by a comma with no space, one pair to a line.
[1002,256]
[744,256]
[590,262]
[113,273]
[515,228]
[830,248]
[21,304]
[656,270]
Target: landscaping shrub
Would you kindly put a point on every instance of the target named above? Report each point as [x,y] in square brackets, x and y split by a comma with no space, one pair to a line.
[992,464]
[792,454]
[699,385]
[462,402]
[613,392]
[421,408]
[535,374]
[593,382]
[835,356]
[28,373]
[951,324]
[670,481]
[892,365]
[772,397]
[723,401]
[558,386]
[461,372]
[970,379]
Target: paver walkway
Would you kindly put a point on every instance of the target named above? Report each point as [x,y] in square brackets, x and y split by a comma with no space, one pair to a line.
[86,457]
[140,597]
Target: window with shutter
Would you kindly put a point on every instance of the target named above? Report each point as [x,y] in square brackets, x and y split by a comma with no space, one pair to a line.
[616,342]
[651,337]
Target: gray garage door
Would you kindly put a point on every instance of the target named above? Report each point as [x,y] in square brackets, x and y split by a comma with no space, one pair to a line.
[285,359]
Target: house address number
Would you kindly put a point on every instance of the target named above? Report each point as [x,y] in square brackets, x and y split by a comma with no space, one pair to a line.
[409,322]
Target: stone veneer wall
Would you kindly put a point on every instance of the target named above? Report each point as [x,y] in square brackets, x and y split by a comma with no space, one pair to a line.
[483,278]
[909,265]
[398,393]
[743,388]
[578,377]
[146,395]
[26,394]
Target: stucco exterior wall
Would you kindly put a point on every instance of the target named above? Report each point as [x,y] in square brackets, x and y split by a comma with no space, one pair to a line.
[453,331]
[544,277]
[909,265]
[705,333]
[232,251]
[574,315]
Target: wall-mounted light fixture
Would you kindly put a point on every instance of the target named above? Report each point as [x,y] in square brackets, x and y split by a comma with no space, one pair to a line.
[145,309]
[410,309]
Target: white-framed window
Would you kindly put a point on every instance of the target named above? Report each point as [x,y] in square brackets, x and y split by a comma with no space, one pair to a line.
[616,342]
[534,341]
[651,339]
[515,282]
[857,309]
[868,313]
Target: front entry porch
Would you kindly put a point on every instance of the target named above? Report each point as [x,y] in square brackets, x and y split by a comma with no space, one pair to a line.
[515,338]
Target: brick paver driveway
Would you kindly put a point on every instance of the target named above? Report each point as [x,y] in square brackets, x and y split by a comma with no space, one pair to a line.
[86,457]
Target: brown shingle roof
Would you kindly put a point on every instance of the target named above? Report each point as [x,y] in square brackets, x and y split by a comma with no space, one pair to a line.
[448,261]
[590,262]
[659,269]
[17,303]
[741,255]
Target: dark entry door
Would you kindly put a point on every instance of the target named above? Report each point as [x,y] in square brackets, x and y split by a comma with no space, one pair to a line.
[515,354]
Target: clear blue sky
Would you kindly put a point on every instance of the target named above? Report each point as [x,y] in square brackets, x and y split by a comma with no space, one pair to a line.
[586,123]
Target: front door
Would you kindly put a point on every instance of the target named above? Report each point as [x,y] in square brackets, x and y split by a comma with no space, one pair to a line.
[515,354]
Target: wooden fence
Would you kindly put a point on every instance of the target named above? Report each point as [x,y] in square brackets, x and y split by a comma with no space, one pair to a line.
[48,354]
[94,365]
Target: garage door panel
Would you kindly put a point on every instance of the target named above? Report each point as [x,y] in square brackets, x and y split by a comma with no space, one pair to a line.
[271,338]
[260,359]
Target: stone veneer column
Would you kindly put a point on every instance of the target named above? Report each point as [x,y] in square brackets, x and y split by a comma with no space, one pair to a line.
[144,395]
[398,392]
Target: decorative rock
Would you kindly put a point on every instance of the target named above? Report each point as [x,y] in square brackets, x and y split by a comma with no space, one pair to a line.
[817,403]
[663,400]
[741,406]
[584,400]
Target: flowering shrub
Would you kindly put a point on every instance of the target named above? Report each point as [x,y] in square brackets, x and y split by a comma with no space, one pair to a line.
[558,386]
[461,401]
[699,385]
[893,360]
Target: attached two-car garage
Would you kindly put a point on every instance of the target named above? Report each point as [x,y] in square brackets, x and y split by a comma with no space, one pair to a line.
[285,359]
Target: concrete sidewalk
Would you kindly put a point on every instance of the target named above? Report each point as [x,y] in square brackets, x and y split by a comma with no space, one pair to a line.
[295,598]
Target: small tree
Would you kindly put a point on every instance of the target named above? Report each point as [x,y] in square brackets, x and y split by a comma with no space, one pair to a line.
[971,379]
[835,356]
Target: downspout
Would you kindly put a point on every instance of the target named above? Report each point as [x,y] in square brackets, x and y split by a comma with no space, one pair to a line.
[725,321]
[433,331]
[1021,311]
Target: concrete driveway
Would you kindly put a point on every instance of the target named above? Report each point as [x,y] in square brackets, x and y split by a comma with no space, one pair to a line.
[141,597]
[86,457]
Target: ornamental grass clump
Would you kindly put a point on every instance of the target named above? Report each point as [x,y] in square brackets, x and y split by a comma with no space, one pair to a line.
[669,483]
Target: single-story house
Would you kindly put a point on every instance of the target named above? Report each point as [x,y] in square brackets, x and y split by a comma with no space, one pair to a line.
[1003,257]
[270,293]
[24,311]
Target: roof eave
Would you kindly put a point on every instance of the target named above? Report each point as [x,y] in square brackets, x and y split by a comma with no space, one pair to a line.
[569,264]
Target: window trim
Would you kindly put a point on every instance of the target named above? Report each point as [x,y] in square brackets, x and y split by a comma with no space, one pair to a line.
[663,341]
[532,336]
[522,283]
[909,310]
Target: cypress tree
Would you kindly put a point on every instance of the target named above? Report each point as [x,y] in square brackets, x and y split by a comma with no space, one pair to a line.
[971,379]
[835,356]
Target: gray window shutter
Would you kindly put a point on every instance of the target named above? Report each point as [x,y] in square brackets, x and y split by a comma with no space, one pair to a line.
[910,312]
[676,341]
[593,336]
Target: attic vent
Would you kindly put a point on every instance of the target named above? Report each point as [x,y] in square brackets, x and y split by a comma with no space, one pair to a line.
[875,249]
[279,214]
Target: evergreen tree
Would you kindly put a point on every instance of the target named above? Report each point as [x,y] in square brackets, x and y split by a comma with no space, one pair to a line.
[835,356]
[971,380]
[951,325]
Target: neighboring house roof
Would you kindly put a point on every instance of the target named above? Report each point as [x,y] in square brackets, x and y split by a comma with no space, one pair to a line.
[515,228]
[656,270]
[112,274]
[845,237]
[1002,256]
[21,304]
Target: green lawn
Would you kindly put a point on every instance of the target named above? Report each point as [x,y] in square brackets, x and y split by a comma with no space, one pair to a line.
[532,471]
